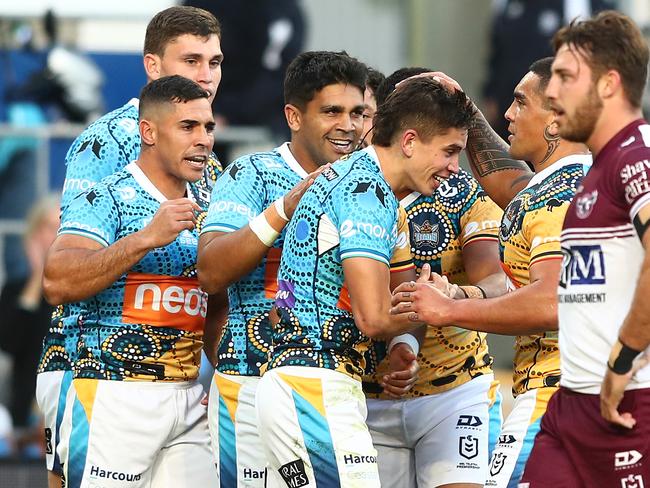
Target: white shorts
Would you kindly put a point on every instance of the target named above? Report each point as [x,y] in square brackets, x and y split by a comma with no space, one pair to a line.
[517,438]
[132,434]
[51,393]
[433,440]
[312,425]
[233,428]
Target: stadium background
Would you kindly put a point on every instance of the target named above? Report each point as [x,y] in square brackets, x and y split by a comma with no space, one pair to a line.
[449,35]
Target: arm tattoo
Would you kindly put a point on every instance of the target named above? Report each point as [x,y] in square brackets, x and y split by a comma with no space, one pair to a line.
[487,152]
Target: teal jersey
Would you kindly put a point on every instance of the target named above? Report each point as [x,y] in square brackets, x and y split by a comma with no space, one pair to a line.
[349,212]
[248,186]
[147,325]
[105,147]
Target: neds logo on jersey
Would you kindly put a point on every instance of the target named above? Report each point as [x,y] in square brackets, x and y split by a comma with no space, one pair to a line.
[582,265]
[164,301]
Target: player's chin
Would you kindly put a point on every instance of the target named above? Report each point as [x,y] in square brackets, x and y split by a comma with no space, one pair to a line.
[193,174]
[432,184]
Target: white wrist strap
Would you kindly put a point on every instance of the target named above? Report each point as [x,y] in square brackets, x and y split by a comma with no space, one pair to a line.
[406,339]
[279,207]
[263,230]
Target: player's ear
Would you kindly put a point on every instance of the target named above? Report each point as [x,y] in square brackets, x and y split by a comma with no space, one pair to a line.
[293,116]
[152,66]
[609,84]
[407,140]
[148,132]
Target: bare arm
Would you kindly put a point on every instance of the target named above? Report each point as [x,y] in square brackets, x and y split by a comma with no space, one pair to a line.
[500,176]
[635,334]
[368,282]
[216,266]
[531,309]
[78,267]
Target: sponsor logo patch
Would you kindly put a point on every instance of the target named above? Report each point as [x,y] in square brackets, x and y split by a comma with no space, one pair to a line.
[164,301]
[294,474]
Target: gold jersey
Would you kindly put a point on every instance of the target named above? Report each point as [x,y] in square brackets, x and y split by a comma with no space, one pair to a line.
[456,215]
[529,234]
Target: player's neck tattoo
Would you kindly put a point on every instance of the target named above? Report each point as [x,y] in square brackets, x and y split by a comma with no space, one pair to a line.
[487,152]
[552,143]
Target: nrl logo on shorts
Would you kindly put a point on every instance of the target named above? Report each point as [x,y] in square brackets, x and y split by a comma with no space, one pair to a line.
[498,460]
[468,446]
[632,481]
[426,235]
[585,204]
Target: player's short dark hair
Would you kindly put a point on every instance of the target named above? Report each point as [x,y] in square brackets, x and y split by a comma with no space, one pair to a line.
[169,89]
[610,40]
[388,85]
[424,105]
[375,78]
[176,21]
[542,68]
[312,71]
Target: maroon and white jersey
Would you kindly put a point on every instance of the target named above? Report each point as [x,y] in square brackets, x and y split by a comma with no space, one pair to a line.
[602,257]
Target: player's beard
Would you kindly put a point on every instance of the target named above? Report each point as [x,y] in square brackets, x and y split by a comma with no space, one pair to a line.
[580,127]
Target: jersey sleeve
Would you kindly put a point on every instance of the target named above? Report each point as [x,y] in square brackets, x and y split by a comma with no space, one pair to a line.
[104,148]
[481,221]
[93,215]
[238,197]
[542,229]
[632,182]
[402,258]
[366,220]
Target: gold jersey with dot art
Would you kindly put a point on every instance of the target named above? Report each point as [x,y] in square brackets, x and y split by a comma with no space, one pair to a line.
[530,233]
[458,214]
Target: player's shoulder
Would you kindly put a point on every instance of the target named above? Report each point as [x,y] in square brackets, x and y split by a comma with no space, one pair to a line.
[124,118]
[116,128]
[258,164]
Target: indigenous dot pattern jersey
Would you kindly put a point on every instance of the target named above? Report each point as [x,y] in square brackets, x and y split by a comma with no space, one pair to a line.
[529,234]
[148,325]
[105,147]
[457,214]
[349,212]
[248,186]
[602,258]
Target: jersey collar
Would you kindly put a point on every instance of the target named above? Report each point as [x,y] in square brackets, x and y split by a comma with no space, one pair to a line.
[287,155]
[583,159]
[147,185]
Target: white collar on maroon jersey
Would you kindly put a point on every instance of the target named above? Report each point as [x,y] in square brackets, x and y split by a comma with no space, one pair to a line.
[148,186]
[584,160]
[287,155]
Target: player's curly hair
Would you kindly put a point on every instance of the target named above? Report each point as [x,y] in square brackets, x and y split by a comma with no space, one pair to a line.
[169,89]
[176,21]
[610,40]
[312,71]
[424,105]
